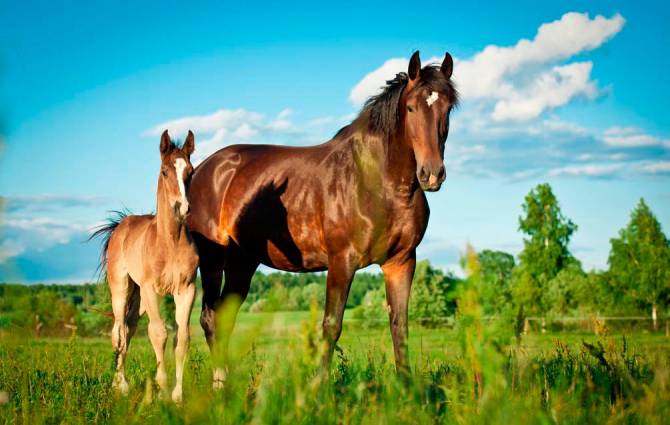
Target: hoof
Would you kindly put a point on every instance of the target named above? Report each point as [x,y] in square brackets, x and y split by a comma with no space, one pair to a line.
[121,385]
[218,379]
[161,381]
[177,395]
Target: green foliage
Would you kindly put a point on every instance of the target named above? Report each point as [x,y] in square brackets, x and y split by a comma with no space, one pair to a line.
[545,251]
[373,310]
[496,277]
[432,298]
[639,260]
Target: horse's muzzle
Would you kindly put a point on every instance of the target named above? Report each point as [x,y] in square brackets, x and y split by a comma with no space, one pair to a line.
[431,178]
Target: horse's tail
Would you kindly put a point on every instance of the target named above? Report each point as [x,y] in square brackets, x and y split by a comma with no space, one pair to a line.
[105,231]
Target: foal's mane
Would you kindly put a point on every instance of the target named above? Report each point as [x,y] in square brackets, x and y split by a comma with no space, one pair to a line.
[382,109]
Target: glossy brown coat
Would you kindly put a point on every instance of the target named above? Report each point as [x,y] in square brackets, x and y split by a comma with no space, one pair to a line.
[353,201]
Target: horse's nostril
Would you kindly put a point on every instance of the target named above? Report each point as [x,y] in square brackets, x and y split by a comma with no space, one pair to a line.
[423,174]
[441,173]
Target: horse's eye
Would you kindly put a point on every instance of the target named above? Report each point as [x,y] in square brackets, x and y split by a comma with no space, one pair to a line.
[410,108]
[164,172]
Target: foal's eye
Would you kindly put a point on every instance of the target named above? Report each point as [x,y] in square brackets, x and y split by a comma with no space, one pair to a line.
[164,172]
[410,108]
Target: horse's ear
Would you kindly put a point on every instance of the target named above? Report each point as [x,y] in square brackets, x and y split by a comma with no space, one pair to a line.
[414,66]
[166,143]
[447,65]
[189,144]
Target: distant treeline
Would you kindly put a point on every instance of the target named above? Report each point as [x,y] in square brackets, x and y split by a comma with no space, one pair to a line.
[545,280]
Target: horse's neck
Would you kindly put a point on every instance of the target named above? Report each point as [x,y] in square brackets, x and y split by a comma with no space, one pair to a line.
[396,161]
[168,229]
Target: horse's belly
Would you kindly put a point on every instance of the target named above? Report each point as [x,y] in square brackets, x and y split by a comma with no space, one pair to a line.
[298,248]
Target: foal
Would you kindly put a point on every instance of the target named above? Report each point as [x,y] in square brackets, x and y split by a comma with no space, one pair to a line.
[148,256]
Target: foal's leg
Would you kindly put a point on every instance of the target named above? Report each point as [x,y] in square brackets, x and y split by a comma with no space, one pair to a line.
[239,272]
[133,314]
[119,287]
[157,333]
[398,274]
[184,306]
[338,282]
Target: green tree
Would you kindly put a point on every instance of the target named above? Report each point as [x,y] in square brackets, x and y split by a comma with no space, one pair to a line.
[496,276]
[433,295]
[639,260]
[545,251]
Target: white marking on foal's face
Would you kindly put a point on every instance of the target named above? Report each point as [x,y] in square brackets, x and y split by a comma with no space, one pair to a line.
[432,98]
[180,166]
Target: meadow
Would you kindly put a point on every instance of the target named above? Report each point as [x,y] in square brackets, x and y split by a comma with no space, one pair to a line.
[538,340]
[461,374]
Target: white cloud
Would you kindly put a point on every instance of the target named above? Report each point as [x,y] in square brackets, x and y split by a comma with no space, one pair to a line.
[372,83]
[522,81]
[656,167]
[230,126]
[549,90]
[48,202]
[483,76]
[631,137]
[223,118]
[37,234]
[588,170]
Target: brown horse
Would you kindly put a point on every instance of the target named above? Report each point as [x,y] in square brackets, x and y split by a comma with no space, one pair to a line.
[149,256]
[355,200]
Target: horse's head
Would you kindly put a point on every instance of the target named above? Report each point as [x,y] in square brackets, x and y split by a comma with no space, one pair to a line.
[424,111]
[176,170]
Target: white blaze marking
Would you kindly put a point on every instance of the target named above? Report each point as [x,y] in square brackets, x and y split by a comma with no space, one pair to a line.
[432,98]
[180,166]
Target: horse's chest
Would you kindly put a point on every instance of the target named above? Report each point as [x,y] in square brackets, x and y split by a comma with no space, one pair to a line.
[176,273]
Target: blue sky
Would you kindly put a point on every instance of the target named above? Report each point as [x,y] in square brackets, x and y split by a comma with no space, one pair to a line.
[572,93]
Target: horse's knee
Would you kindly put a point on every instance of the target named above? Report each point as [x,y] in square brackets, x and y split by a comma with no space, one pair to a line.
[157,332]
[208,321]
[332,329]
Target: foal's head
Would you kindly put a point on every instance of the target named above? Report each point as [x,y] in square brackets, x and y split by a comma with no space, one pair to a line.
[175,175]
[424,108]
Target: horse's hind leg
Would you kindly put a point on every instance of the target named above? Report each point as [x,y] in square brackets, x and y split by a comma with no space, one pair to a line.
[120,290]
[157,333]
[133,314]
[184,306]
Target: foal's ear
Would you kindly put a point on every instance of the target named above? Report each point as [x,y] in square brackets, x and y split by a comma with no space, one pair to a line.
[189,144]
[166,143]
[414,66]
[447,65]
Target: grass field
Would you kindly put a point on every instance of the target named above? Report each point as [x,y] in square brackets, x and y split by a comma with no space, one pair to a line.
[460,376]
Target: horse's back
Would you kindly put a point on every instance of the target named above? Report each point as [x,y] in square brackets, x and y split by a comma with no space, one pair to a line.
[268,199]
[125,243]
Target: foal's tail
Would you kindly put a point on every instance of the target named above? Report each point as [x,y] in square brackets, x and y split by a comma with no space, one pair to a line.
[105,231]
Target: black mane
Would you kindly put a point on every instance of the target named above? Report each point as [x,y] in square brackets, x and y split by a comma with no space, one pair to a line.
[382,109]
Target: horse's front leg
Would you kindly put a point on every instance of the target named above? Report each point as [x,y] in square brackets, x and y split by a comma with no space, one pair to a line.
[338,282]
[157,332]
[184,305]
[398,274]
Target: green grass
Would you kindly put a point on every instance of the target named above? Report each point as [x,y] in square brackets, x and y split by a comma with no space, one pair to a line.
[458,378]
